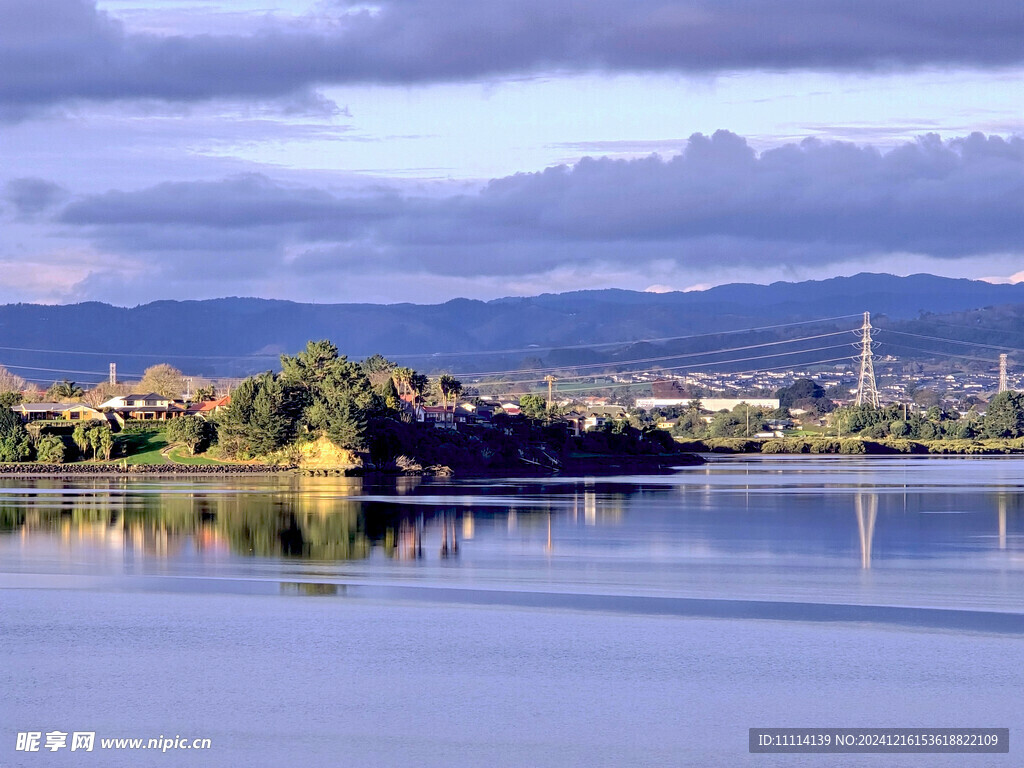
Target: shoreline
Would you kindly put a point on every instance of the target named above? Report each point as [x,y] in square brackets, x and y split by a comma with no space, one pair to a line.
[598,464]
[121,470]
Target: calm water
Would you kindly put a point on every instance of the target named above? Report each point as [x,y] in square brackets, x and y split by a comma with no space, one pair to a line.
[535,622]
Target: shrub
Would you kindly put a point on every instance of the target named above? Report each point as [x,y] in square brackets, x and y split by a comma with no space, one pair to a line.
[51,450]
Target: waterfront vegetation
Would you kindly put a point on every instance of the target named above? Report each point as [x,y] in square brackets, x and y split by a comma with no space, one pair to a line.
[364,415]
[851,429]
[349,414]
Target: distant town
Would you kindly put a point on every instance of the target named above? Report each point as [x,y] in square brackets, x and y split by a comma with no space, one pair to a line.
[322,409]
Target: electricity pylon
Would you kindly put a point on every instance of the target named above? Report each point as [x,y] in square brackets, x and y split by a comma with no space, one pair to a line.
[867,392]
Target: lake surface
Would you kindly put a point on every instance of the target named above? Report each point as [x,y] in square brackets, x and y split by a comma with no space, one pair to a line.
[642,620]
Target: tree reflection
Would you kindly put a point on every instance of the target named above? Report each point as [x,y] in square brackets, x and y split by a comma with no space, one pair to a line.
[284,518]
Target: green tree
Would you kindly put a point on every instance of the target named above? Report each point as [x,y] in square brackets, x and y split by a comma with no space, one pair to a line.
[100,440]
[15,443]
[105,442]
[806,394]
[1004,416]
[205,394]
[448,389]
[402,378]
[10,399]
[80,437]
[335,394]
[533,406]
[51,450]
[378,369]
[258,420]
[64,390]
[190,431]
[418,383]
[899,428]
[389,394]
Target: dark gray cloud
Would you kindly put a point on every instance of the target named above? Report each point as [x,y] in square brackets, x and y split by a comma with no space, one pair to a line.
[31,196]
[54,50]
[716,204]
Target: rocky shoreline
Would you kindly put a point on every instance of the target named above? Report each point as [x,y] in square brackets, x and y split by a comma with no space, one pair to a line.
[594,464]
[50,470]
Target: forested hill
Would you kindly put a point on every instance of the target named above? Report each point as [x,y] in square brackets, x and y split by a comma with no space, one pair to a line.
[234,336]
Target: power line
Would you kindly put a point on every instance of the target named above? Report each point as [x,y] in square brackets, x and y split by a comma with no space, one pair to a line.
[142,354]
[952,341]
[973,327]
[687,366]
[539,347]
[617,385]
[610,363]
[535,348]
[952,355]
[66,370]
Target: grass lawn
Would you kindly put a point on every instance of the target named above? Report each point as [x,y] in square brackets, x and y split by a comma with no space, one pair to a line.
[141,448]
[179,455]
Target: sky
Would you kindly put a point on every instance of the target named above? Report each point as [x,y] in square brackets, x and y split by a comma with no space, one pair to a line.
[421,150]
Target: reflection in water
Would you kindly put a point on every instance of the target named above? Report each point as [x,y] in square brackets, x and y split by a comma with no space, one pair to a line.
[590,507]
[1001,504]
[312,589]
[710,513]
[867,511]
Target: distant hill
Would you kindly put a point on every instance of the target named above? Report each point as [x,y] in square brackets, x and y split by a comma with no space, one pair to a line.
[237,336]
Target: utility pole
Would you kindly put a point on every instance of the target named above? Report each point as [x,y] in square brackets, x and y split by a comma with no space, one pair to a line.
[1002,373]
[113,373]
[867,392]
[551,390]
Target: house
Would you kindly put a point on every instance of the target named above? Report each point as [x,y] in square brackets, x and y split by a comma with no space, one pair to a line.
[208,407]
[57,412]
[442,416]
[147,407]
[152,400]
[576,423]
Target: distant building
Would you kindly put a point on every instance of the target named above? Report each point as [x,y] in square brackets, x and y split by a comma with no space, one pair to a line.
[56,412]
[144,407]
[668,389]
[708,403]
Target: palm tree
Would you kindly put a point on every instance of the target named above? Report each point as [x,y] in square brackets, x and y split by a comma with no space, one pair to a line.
[449,388]
[64,390]
[403,380]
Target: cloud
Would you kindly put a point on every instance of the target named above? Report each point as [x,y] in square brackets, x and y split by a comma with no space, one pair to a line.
[30,196]
[57,50]
[717,204]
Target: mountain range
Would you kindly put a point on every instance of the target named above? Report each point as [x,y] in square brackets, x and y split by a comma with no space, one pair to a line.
[238,336]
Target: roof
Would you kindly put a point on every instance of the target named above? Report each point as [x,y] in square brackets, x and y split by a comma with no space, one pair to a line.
[44,407]
[210,405]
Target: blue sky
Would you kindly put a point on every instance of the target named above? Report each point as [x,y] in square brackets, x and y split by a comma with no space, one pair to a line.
[418,150]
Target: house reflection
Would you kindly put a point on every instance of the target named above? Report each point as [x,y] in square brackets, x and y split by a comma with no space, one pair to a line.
[290,519]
